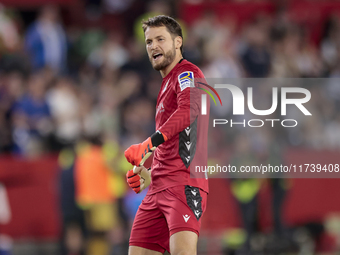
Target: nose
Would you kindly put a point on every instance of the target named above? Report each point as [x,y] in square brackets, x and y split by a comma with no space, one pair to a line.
[154,45]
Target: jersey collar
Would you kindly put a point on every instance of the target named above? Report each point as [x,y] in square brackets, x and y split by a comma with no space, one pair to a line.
[175,67]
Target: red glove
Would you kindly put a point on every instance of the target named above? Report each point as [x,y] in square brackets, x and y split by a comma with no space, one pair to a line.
[138,181]
[133,180]
[137,154]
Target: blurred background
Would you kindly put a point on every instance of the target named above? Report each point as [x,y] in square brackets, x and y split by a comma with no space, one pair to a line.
[77,88]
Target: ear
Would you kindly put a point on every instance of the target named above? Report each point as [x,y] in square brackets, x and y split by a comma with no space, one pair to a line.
[178,42]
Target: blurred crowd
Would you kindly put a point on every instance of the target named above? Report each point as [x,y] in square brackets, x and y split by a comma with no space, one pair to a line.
[59,85]
[62,87]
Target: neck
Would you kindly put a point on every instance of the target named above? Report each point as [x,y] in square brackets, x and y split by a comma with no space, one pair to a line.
[164,72]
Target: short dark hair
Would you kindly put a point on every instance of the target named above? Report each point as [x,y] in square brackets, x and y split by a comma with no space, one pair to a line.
[171,25]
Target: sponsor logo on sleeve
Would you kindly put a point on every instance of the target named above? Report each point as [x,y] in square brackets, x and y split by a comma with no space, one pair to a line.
[186,80]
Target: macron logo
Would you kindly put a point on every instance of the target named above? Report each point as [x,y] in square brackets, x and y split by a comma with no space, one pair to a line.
[198,213]
[187,131]
[188,145]
[186,217]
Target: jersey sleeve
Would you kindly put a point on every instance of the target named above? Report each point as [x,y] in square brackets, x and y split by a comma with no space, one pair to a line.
[188,104]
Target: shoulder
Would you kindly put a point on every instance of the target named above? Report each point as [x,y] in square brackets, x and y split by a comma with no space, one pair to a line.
[186,73]
[186,66]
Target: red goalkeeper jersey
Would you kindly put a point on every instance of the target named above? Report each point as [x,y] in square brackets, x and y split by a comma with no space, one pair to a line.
[179,118]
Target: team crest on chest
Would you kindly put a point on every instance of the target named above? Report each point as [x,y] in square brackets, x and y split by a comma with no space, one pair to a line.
[160,108]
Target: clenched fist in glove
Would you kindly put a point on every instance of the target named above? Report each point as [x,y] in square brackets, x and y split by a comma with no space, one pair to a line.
[137,154]
[139,178]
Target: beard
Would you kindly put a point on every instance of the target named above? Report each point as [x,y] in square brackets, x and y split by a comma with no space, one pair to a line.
[168,59]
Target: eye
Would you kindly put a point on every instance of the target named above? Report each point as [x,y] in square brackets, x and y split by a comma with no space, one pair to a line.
[160,39]
[148,42]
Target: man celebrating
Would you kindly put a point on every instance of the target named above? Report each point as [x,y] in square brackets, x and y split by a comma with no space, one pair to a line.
[169,217]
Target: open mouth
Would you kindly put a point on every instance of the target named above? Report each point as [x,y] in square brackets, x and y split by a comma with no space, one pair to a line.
[157,56]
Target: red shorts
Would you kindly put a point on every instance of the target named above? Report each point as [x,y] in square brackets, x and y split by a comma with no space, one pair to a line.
[165,213]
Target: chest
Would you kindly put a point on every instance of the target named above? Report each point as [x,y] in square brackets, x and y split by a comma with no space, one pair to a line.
[166,101]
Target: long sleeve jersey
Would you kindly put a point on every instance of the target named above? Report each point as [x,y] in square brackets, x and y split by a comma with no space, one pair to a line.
[179,118]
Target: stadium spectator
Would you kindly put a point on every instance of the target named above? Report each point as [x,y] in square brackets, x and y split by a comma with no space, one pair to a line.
[46,41]
[64,105]
[32,122]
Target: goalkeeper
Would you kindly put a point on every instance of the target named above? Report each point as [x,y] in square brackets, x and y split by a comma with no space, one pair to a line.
[169,218]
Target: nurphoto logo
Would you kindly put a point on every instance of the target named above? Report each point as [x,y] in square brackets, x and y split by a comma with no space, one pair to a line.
[239,105]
